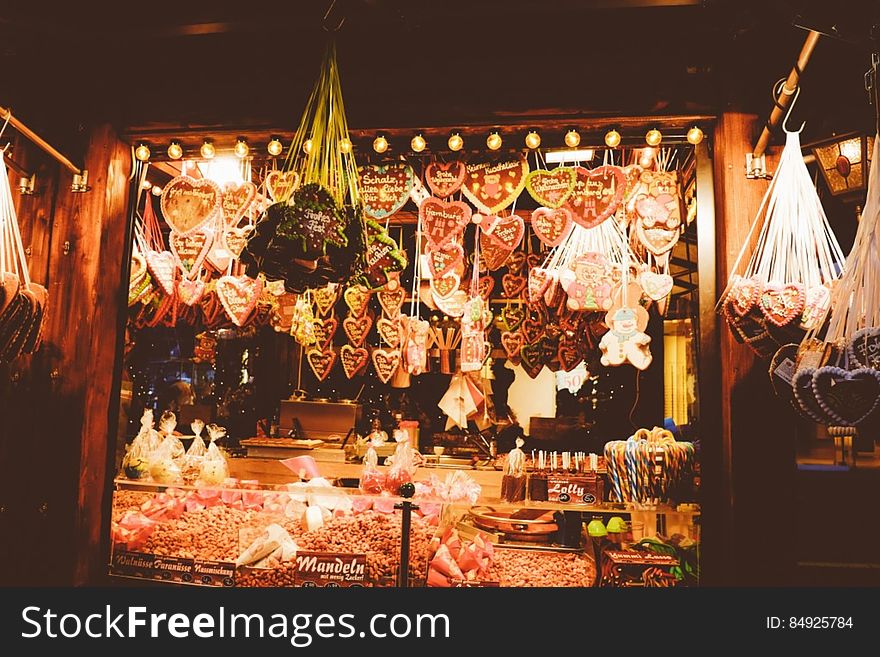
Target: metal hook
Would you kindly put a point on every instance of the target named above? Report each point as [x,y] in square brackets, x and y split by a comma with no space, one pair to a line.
[779,89]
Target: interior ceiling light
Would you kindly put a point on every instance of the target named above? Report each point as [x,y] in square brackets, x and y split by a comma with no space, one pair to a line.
[572,138]
[142,152]
[612,138]
[455,142]
[493,141]
[418,143]
[241,148]
[175,150]
[380,144]
[274,146]
[653,137]
[207,150]
[533,140]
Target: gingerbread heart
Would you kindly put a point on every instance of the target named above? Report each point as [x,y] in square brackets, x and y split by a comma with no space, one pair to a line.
[325,298]
[312,221]
[847,397]
[864,348]
[190,291]
[554,295]
[656,286]
[534,260]
[188,204]
[499,237]
[442,220]
[802,386]
[782,304]
[485,285]
[236,201]
[493,186]
[382,258]
[816,305]
[324,330]
[443,260]
[238,294]
[633,174]
[743,295]
[385,188]
[354,359]
[281,185]
[453,305]
[512,342]
[598,193]
[236,239]
[493,255]
[551,188]
[512,317]
[515,262]
[539,279]
[552,226]
[569,355]
[445,285]
[391,300]
[136,273]
[162,266]
[190,250]
[445,178]
[532,329]
[357,299]
[389,331]
[512,284]
[532,359]
[356,328]
[386,363]
[321,362]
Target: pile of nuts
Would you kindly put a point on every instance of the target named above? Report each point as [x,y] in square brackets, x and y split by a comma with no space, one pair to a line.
[541,568]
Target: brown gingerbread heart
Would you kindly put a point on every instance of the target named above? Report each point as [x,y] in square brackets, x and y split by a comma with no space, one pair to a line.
[551,188]
[281,185]
[512,342]
[445,178]
[357,299]
[442,220]
[389,331]
[356,328]
[512,284]
[391,300]
[188,203]
[597,195]
[493,186]
[552,226]
[236,200]
[354,359]
[386,363]
[321,362]
[324,330]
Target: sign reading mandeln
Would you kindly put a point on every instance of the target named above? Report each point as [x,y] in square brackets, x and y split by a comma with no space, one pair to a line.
[330,569]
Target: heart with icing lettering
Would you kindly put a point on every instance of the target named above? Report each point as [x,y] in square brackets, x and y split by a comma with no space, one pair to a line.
[382,258]
[354,359]
[512,285]
[281,185]
[236,200]
[357,299]
[569,355]
[236,239]
[743,295]
[552,226]
[389,331]
[512,343]
[802,386]
[534,260]
[539,279]
[554,295]
[311,222]
[443,260]
[598,193]
[391,300]
[493,254]
[515,262]
[238,294]
[864,347]
[847,397]
[190,291]
[493,186]
[356,328]
[190,250]
[162,267]
[532,329]
[512,317]
[453,305]
[321,362]
[498,239]
[445,178]
[442,220]
[485,285]
[386,363]
[782,304]
[324,330]
[656,286]
[325,298]
[385,188]
[188,204]
[633,174]
[445,285]
[532,359]
[816,304]
[551,188]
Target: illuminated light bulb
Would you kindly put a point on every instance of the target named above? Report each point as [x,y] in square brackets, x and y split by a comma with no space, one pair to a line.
[241,148]
[493,141]
[175,150]
[455,142]
[695,136]
[207,150]
[647,157]
[653,137]
[612,139]
[345,145]
[142,152]
[418,143]
[146,184]
[274,147]
[533,139]
[380,144]
[572,138]
[307,146]
[157,191]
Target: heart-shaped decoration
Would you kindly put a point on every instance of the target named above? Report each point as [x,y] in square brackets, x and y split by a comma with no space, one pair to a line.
[864,347]
[782,304]
[453,305]
[532,329]
[532,359]
[382,258]
[162,266]
[445,285]
[498,239]
[569,355]
[354,359]
[190,291]
[190,250]
[356,328]
[386,363]
[656,286]
[136,273]
[816,305]
[312,221]
[534,260]
[597,194]
[236,239]
[389,331]
[493,186]
[549,353]
[238,294]
[554,295]
[512,317]
[441,261]
[512,284]
[652,225]
[633,174]
[539,279]
[551,188]
[552,226]
[847,397]
[356,298]
[385,188]
[188,204]
[236,200]
[515,262]
[493,255]
[325,298]
[281,185]
[443,220]
[391,300]
[512,342]
[324,330]
[802,386]
[445,178]
[321,362]
[743,295]
[485,285]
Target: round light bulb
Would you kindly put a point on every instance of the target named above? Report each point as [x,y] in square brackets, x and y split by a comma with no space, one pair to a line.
[157,191]
[345,145]
[533,139]
[612,139]
[653,137]
[241,148]
[455,142]
[307,146]
[493,141]
[207,150]
[380,144]
[146,184]
[572,138]
[695,136]
[142,152]
[418,143]
[175,150]
[274,147]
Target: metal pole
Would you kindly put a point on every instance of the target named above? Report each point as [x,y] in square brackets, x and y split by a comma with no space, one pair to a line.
[6,114]
[406,490]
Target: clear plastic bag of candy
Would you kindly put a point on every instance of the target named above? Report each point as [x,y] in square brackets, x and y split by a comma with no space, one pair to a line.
[372,479]
[136,462]
[214,468]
